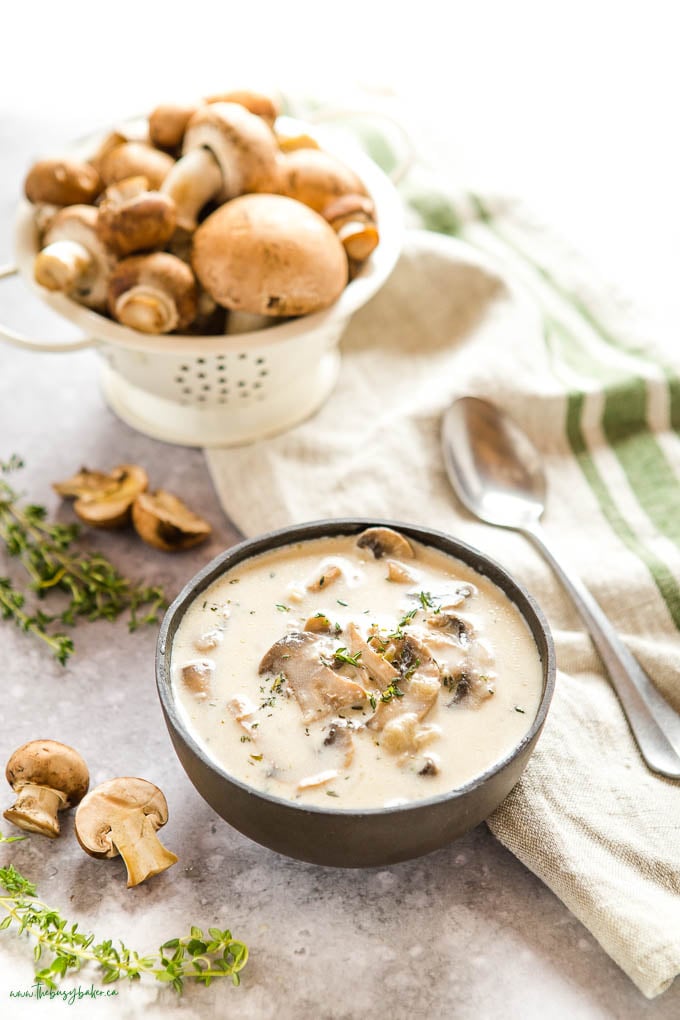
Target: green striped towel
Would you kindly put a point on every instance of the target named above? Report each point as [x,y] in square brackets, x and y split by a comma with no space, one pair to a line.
[500,308]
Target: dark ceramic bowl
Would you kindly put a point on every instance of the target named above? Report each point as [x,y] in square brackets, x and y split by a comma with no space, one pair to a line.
[354,838]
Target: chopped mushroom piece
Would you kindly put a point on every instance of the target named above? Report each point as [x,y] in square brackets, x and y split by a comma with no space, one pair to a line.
[320,779]
[319,624]
[121,816]
[165,522]
[469,687]
[340,736]
[244,712]
[385,542]
[206,642]
[197,677]
[377,668]
[104,501]
[324,577]
[398,573]
[47,777]
[318,689]
[405,734]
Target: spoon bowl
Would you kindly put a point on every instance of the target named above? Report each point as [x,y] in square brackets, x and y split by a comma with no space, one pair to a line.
[497,473]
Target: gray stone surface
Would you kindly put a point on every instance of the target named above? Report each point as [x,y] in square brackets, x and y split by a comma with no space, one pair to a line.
[467,932]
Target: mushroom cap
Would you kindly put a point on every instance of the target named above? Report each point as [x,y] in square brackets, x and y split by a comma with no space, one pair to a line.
[138,222]
[125,795]
[51,764]
[79,223]
[261,105]
[385,542]
[269,255]
[167,124]
[163,521]
[243,145]
[159,272]
[315,178]
[62,182]
[104,501]
[133,158]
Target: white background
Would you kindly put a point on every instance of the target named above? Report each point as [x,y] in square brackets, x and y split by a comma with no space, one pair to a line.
[572,105]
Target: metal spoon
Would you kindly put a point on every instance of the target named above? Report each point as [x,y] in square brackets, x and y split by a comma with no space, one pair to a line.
[498,475]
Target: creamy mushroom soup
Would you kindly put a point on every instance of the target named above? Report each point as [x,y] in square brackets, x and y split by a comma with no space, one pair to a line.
[355,672]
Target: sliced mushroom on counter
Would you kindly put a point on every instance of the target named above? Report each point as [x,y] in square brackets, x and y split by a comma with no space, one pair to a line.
[385,542]
[153,293]
[74,259]
[352,217]
[47,777]
[121,816]
[134,159]
[62,182]
[227,151]
[197,677]
[269,255]
[104,500]
[318,689]
[133,218]
[315,178]
[165,522]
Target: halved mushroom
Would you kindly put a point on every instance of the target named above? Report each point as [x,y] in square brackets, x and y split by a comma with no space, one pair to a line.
[269,255]
[104,500]
[121,816]
[318,689]
[62,182]
[47,777]
[134,159]
[315,178]
[153,293]
[385,542]
[352,217]
[165,522]
[133,218]
[74,260]
[227,151]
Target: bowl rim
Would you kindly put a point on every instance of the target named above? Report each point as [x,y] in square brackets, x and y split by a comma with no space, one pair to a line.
[372,275]
[330,527]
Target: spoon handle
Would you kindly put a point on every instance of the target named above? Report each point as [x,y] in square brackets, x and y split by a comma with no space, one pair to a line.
[653,722]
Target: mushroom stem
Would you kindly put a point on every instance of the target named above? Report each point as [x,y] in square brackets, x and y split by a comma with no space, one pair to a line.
[36,810]
[148,309]
[140,847]
[62,265]
[192,181]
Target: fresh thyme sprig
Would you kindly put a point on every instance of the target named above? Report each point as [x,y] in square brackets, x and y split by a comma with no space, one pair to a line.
[95,588]
[62,949]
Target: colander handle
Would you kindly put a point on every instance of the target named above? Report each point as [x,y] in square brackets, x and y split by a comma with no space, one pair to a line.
[19,340]
[405,159]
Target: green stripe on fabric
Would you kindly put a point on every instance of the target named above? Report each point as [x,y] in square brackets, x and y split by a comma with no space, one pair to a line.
[649,474]
[661,575]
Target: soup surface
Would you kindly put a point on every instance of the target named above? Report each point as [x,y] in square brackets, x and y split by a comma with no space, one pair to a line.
[370,669]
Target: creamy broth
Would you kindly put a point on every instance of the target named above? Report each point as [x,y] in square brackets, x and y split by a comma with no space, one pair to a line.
[355,677]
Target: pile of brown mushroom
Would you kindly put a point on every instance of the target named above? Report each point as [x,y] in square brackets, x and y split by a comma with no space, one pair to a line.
[209,215]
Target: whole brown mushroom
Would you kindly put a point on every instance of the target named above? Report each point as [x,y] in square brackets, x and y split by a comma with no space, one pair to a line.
[62,182]
[121,817]
[135,159]
[132,218]
[269,255]
[153,293]
[227,151]
[74,259]
[168,122]
[315,178]
[47,777]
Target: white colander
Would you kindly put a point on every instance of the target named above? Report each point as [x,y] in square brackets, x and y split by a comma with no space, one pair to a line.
[222,390]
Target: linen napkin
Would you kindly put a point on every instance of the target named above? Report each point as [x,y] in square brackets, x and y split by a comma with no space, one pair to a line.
[509,314]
